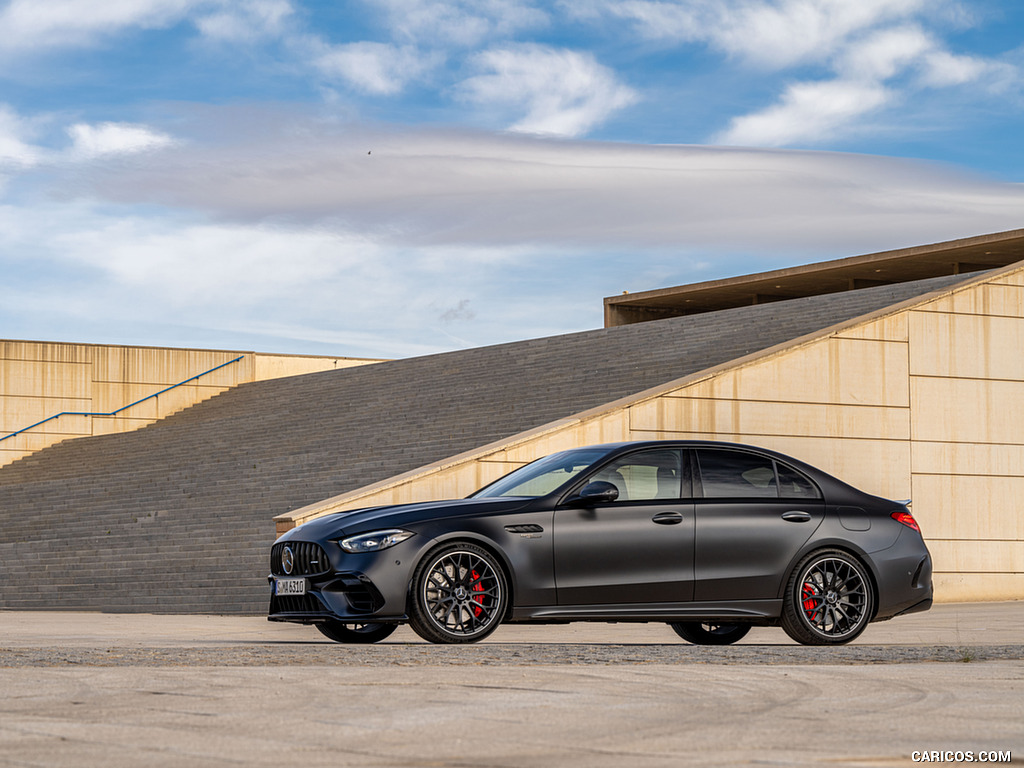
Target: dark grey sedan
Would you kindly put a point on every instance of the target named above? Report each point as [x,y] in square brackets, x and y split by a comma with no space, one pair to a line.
[710,538]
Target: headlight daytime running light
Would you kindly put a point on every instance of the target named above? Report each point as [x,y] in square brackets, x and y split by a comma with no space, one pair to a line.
[374,541]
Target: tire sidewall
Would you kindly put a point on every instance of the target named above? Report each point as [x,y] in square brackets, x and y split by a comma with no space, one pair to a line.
[794,620]
[340,632]
[420,618]
[694,632]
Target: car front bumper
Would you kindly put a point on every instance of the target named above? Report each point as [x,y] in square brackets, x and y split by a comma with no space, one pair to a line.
[348,587]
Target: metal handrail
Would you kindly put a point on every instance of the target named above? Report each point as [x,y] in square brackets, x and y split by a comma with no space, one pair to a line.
[124,407]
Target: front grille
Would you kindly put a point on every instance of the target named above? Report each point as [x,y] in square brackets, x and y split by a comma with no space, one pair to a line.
[295,604]
[309,559]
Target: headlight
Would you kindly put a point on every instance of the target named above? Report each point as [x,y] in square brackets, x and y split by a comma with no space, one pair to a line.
[375,541]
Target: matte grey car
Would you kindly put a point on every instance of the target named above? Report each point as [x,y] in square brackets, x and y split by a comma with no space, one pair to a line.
[711,538]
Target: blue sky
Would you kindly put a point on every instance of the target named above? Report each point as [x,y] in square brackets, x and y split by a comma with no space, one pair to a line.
[408,176]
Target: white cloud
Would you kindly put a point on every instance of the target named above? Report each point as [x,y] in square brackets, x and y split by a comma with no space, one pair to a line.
[201,263]
[884,54]
[246,20]
[104,274]
[941,69]
[92,141]
[879,52]
[807,113]
[463,23]
[776,33]
[32,25]
[299,240]
[563,93]
[15,151]
[871,76]
[377,68]
[423,34]
[792,32]
[434,188]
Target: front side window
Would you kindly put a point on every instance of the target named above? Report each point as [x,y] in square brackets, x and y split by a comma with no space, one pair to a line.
[733,474]
[645,475]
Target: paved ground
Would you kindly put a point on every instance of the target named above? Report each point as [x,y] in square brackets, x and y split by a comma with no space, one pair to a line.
[128,690]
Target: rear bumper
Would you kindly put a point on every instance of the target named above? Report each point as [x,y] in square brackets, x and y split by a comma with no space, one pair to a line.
[904,577]
[924,605]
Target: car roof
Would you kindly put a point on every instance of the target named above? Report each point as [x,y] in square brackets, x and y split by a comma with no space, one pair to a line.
[681,443]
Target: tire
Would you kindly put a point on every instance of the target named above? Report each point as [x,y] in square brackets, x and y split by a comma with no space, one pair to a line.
[829,599]
[362,634]
[709,633]
[458,594]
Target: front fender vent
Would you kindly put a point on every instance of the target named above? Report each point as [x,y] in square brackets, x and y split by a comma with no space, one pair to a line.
[524,528]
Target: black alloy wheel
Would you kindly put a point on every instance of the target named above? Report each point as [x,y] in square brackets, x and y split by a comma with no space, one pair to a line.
[709,633]
[458,594]
[363,634]
[829,599]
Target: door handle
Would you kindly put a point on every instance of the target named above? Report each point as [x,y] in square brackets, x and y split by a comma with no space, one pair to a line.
[667,518]
[796,516]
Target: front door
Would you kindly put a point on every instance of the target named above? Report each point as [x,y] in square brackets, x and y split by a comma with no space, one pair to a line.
[636,549]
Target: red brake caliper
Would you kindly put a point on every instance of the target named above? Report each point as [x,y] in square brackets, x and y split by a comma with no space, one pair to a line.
[808,595]
[478,599]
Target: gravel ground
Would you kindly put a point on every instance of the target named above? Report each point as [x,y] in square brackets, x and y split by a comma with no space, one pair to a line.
[497,654]
[119,691]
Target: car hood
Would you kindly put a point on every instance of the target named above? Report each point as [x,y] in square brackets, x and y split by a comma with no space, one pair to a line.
[397,516]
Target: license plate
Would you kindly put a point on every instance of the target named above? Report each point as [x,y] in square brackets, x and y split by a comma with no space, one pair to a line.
[290,587]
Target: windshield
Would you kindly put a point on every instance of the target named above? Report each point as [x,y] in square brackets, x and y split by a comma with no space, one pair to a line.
[541,477]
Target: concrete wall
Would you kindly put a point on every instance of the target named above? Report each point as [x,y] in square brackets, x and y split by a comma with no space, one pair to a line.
[41,379]
[924,400]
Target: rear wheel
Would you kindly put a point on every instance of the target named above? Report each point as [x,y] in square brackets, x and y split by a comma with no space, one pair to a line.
[459,594]
[828,600]
[710,634]
[342,632]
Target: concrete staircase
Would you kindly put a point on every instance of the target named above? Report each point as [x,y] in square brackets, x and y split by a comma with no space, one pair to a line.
[177,517]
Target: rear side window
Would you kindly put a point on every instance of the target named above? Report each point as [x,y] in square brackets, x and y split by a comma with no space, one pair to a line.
[732,474]
[793,485]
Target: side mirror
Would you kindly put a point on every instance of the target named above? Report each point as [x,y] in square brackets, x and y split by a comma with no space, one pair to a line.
[597,491]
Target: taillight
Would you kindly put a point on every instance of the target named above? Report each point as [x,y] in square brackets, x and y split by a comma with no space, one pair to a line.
[907,519]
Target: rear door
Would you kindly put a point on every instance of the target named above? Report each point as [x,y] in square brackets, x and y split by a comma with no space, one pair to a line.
[752,517]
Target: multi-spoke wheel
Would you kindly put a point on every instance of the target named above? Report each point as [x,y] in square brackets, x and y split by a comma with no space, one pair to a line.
[458,595]
[709,633]
[342,632]
[828,599]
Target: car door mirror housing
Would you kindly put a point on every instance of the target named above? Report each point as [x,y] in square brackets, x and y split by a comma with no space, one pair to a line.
[595,492]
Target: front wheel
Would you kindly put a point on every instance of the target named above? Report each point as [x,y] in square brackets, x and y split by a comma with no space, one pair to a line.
[710,634]
[369,632]
[458,594]
[828,600]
